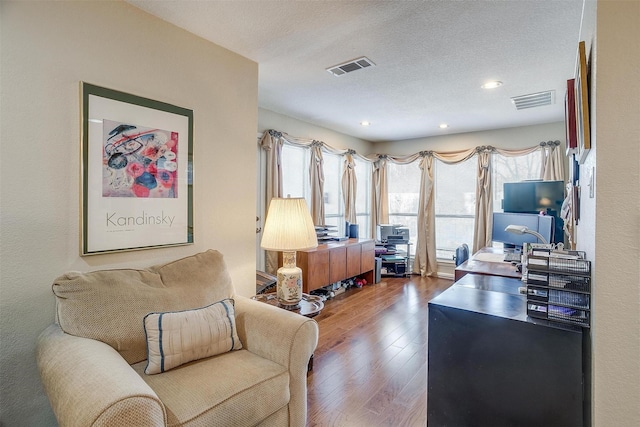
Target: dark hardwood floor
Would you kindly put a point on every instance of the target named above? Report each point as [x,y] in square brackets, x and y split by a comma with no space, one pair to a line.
[370,366]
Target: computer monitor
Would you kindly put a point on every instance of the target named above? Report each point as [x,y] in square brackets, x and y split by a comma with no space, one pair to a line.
[543,224]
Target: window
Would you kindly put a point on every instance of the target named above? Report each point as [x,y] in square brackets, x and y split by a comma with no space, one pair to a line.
[455,187]
[513,169]
[363,197]
[403,183]
[333,201]
[295,172]
[455,195]
[296,182]
[455,204]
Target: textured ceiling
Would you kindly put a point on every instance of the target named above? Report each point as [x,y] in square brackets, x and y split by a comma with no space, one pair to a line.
[431,59]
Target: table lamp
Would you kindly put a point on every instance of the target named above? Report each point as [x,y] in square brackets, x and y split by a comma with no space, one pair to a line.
[288,228]
[523,229]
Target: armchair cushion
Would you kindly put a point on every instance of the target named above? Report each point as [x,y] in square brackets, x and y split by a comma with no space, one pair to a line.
[237,388]
[109,305]
[175,338]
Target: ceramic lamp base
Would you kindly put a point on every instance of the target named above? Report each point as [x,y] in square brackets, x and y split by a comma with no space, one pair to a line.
[289,285]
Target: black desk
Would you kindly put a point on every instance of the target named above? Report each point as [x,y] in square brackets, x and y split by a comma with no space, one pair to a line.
[490,365]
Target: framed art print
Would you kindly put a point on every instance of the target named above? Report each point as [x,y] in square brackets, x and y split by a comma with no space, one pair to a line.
[137,157]
[582,105]
[570,117]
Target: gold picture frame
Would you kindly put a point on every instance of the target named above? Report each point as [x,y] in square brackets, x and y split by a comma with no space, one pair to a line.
[582,105]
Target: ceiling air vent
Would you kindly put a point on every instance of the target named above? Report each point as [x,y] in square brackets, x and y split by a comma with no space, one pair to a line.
[353,65]
[534,100]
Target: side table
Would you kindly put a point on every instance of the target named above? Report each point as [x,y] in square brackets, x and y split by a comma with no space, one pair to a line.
[309,306]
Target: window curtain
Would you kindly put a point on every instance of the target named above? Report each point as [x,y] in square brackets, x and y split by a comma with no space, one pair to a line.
[425,259]
[484,201]
[425,262]
[349,187]
[380,196]
[272,142]
[484,196]
[552,161]
[316,172]
[316,175]
[553,169]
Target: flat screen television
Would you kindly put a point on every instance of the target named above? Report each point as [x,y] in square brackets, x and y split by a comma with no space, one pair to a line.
[533,196]
[543,224]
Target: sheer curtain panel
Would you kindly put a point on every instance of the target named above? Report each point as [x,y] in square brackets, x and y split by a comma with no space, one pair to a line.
[484,201]
[552,161]
[349,188]
[425,261]
[272,143]
[380,196]
[316,174]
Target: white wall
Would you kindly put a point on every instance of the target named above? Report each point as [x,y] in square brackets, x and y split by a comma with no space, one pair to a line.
[47,48]
[513,138]
[609,230]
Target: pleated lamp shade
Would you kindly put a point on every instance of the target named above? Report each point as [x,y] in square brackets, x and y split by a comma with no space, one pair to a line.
[288,226]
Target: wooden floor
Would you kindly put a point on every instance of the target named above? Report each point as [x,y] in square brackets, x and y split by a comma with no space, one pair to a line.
[370,366]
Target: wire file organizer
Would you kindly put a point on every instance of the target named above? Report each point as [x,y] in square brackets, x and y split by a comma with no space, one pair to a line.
[559,286]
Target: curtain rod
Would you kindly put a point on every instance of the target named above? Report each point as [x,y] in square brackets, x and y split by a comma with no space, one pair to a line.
[449,156]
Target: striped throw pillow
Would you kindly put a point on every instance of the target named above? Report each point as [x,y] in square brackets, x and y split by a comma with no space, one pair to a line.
[175,338]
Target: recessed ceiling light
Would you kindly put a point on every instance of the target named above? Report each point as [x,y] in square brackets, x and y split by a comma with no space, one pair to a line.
[443,126]
[491,85]
[365,123]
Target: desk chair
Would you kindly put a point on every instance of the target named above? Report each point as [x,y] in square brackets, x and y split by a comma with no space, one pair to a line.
[462,254]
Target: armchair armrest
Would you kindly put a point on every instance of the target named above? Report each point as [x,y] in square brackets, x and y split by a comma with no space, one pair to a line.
[275,334]
[89,384]
[283,337]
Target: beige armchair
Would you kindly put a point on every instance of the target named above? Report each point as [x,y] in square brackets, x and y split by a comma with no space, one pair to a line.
[92,360]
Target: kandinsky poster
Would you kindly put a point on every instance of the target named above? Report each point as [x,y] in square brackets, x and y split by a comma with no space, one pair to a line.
[136,172]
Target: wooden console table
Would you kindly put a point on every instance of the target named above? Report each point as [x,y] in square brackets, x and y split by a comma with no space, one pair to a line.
[335,261]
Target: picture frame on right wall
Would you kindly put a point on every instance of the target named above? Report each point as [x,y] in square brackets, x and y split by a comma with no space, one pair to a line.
[581,87]
[570,118]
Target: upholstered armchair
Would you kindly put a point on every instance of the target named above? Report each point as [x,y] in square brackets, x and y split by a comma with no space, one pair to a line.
[172,345]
